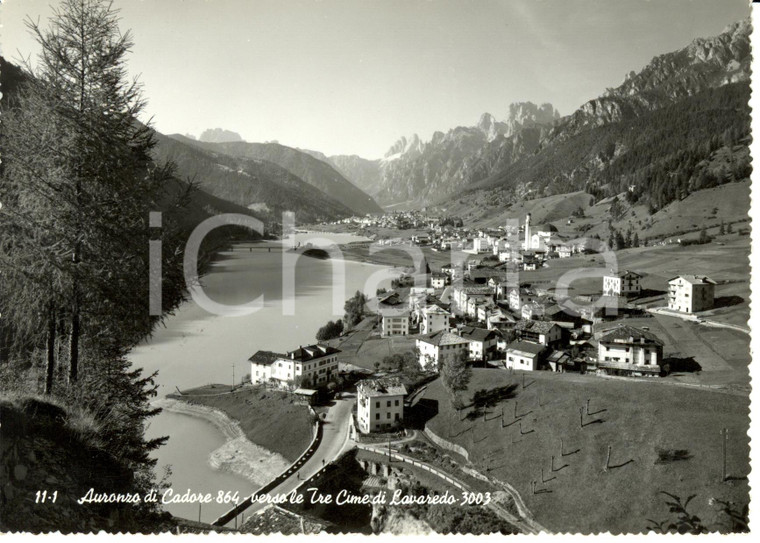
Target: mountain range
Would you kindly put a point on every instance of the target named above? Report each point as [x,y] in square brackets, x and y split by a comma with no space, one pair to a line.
[679,125]
[532,151]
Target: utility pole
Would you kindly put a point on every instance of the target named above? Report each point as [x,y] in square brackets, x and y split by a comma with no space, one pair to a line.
[233,376]
[724,433]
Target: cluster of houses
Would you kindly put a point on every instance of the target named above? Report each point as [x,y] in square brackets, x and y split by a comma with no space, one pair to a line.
[531,245]
[473,312]
[523,327]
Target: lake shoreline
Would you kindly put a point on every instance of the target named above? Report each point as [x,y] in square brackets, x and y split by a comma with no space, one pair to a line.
[238,454]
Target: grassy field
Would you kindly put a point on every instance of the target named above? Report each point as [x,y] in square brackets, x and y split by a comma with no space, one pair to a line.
[729,203]
[637,418]
[394,256]
[261,414]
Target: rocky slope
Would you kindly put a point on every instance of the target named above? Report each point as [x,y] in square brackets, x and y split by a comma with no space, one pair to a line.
[365,174]
[650,137]
[704,64]
[416,173]
[317,173]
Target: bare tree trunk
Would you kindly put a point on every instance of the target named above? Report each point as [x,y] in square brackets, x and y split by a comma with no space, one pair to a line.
[74,339]
[50,370]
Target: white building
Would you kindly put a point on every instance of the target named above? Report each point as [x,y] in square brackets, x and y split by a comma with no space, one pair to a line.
[522,355]
[380,404]
[541,332]
[625,350]
[533,310]
[437,280]
[306,366]
[461,295]
[482,342]
[480,245]
[448,269]
[435,347]
[691,293]
[395,322]
[434,319]
[625,283]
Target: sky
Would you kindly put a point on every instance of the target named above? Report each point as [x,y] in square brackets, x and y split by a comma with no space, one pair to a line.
[352,76]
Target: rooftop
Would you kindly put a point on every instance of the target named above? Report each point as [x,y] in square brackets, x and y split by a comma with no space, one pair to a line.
[390,298]
[694,279]
[541,327]
[311,352]
[477,334]
[266,358]
[442,337]
[629,334]
[385,386]
[434,310]
[623,274]
[525,347]
[475,290]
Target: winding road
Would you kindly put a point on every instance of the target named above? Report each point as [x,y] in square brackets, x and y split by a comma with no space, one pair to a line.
[334,442]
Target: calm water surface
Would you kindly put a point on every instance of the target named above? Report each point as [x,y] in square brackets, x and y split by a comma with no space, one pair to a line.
[195,347]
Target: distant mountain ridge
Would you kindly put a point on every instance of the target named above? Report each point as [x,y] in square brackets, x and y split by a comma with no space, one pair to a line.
[259,185]
[219,135]
[416,173]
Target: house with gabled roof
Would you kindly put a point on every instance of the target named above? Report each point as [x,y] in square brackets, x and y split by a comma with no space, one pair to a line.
[380,404]
[433,319]
[631,351]
[524,355]
[437,280]
[434,348]
[541,332]
[625,283]
[482,341]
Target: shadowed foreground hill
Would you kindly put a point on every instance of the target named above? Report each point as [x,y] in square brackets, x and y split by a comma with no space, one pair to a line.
[47,447]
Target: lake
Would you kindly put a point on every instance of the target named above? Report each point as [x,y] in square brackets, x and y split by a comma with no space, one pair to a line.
[195,347]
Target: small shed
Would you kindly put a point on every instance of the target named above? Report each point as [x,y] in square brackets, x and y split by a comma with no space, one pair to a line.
[306,395]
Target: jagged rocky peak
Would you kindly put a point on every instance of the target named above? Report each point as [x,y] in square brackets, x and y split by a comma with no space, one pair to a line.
[412,146]
[219,135]
[490,127]
[527,114]
[733,42]
[704,63]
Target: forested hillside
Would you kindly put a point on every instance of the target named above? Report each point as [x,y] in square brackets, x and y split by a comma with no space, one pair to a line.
[656,157]
[317,173]
[258,185]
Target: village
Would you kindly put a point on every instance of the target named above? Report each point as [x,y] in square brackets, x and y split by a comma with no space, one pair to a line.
[486,312]
[637,333]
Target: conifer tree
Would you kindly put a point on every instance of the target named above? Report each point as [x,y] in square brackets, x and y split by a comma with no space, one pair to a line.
[78,186]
